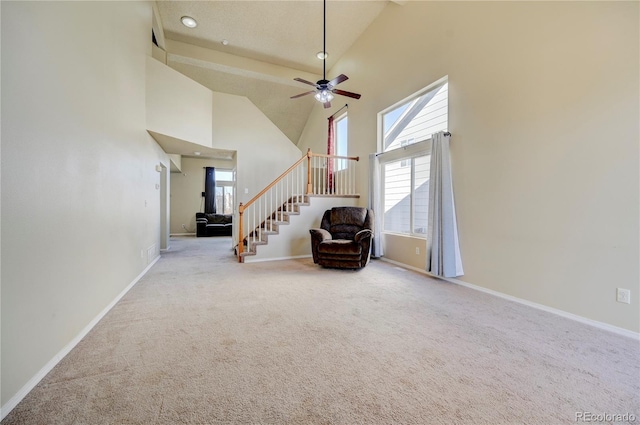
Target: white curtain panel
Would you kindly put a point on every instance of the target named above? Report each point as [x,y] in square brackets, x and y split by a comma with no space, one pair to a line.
[443,249]
[374,204]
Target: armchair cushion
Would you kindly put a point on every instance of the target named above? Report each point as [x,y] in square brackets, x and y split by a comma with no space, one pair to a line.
[340,247]
[346,222]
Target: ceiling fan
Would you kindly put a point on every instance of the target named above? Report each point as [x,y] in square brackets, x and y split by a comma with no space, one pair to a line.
[325,89]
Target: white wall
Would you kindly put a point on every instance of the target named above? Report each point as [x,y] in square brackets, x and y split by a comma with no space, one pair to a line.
[543,108]
[177,106]
[186,191]
[176,162]
[263,152]
[80,201]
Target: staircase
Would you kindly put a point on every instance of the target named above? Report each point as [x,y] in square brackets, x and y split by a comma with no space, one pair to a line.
[272,224]
[316,175]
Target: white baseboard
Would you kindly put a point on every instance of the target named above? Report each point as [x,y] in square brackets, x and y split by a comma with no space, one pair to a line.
[182,234]
[601,325]
[261,260]
[22,393]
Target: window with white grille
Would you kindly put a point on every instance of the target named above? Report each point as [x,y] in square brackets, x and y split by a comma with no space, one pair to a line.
[225,181]
[405,143]
[417,118]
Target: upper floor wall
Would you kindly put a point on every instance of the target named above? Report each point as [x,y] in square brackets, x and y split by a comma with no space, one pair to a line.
[177,106]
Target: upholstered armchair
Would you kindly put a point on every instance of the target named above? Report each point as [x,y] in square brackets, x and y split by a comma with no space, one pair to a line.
[344,238]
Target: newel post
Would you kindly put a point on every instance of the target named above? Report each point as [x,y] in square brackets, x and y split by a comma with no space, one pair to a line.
[309,185]
[240,235]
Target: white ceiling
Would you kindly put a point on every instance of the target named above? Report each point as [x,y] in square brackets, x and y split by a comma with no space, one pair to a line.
[283,33]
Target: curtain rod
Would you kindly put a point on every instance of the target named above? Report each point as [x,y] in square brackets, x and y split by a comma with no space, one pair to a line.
[346,105]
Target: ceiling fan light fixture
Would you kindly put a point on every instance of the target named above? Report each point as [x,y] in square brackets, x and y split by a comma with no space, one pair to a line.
[324,96]
[322,55]
[189,22]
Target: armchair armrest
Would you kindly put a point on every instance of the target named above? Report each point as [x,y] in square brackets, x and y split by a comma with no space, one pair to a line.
[363,234]
[201,227]
[317,236]
[320,234]
[364,237]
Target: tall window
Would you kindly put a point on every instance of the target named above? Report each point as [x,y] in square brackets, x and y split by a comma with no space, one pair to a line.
[417,118]
[224,191]
[341,143]
[405,139]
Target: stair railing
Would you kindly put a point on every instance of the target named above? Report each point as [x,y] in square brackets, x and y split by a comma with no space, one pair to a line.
[313,174]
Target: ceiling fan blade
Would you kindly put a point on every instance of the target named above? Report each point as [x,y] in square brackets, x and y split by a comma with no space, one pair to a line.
[340,78]
[305,82]
[346,93]
[327,105]
[302,94]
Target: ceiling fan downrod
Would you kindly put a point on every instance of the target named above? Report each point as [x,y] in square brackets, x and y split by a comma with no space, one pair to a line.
[324,40]
[325,89]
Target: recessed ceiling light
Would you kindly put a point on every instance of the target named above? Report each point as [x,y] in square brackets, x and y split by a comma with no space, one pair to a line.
[225,42]
[196,153]
[322,55]
[188,21]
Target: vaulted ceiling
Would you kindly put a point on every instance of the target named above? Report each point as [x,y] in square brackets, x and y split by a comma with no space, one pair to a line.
[268,43]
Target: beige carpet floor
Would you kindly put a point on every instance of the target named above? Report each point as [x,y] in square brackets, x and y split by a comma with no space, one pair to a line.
[202,339]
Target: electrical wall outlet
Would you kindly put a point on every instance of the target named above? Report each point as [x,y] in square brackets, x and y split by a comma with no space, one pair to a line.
[623,295]
[417,250]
